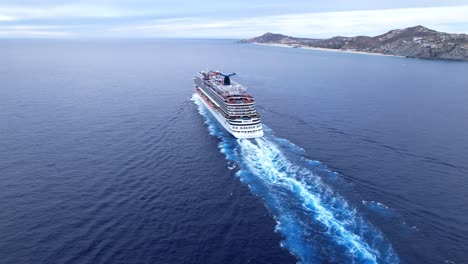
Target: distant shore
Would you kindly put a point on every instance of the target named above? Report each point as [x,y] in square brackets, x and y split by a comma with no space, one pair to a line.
[323,49]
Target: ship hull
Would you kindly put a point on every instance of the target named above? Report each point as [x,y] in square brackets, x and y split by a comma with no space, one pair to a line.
[220,118]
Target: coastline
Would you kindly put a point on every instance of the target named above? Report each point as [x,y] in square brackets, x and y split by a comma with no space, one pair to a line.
[324,49]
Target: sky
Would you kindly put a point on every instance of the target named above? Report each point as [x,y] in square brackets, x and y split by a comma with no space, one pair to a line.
[224,19]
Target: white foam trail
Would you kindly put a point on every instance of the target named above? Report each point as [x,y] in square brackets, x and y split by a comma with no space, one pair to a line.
[291,190]
[267,161]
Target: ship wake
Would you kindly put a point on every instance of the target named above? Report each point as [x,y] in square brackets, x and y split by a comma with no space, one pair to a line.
[317,224]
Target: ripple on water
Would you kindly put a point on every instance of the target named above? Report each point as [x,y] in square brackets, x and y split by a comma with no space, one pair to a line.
[316,222]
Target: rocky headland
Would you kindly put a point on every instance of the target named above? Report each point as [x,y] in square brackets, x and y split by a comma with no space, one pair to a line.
[412,42]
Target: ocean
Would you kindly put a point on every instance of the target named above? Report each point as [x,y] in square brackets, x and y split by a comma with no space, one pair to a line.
[107,157]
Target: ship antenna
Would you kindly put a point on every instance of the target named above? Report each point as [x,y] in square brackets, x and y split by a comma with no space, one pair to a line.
[227,80]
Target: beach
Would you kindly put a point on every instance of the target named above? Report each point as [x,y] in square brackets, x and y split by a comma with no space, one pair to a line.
[324,49]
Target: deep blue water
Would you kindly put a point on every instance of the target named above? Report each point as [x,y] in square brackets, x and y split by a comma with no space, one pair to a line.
[105,157]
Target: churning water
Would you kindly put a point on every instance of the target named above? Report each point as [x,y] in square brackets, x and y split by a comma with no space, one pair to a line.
[318,225]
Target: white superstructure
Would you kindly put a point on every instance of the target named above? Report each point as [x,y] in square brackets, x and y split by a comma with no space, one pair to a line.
[229,103]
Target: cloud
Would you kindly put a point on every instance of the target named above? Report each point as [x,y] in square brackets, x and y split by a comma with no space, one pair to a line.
[67,11]
[34,34]
[79,20]
[36,31]
[322,24]
[6,18]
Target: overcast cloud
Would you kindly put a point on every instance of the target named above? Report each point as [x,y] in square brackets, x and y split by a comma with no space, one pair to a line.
[215,19]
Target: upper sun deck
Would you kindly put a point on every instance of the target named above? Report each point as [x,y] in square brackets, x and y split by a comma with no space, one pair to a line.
[223,84]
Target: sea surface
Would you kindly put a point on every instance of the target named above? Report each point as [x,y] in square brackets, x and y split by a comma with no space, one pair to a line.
[107,157]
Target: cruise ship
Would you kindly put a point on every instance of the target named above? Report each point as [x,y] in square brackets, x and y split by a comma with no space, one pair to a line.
[229,103]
